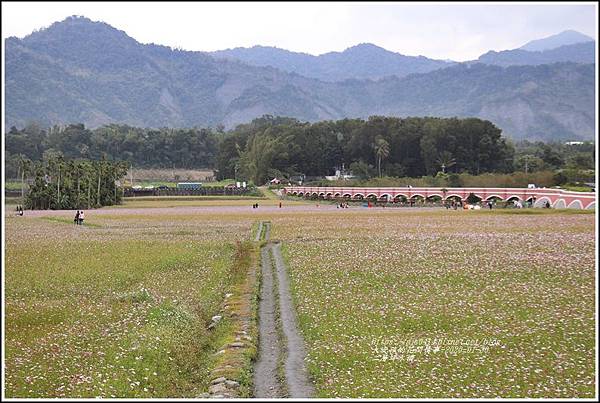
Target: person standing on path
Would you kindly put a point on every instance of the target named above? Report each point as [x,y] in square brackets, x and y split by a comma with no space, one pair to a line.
[76,219]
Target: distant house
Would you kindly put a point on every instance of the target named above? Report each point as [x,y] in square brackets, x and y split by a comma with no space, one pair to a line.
[574,143]
[296,179]
[275,181]
[340,174]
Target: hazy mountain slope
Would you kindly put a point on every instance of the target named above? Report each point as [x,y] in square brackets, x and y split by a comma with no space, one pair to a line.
[84,71]
[578,53]
[568,37]
[538,102]
[364,61]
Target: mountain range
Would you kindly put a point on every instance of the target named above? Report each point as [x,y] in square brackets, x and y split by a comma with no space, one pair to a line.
[78,70]
[568,37]
[363,61]
[368,61]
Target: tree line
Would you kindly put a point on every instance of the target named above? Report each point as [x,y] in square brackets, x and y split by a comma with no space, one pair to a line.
[150,148]
[61,183]
[378,146]
[272,146]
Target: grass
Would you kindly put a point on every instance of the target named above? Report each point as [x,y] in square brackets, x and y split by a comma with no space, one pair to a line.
[104,313]
[68,221]
[576,188]
[236,364]
[11,185]
[190,198]
[367,286]
[120,309]
[201,201]
[171,183]
[12,200]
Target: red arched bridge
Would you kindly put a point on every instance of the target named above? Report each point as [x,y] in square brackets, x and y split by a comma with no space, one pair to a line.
[557,198]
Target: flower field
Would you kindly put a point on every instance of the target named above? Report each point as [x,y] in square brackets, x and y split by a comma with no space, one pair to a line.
[445,304]
[391,302]
[115,308]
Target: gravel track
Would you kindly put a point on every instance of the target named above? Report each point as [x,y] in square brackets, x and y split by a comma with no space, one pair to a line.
[273,350]
[266,383]
[296,374]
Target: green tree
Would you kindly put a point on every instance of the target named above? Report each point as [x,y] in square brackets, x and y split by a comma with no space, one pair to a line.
[445,160]
[382,151]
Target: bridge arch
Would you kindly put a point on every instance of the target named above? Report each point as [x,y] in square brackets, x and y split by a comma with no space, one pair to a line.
[346,195]
[434,198]
[473,198]
[591,206]
[358,196]
[560,203]
[371,195]
[494,197]
[454,195]
[576,204]
[541,202]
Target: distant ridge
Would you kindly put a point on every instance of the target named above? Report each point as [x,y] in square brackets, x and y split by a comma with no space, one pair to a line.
[568,37]
[584,52]
[362,61]
[78,70]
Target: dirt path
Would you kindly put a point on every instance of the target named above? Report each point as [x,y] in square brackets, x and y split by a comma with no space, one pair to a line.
[266,383]
[296,374]
[258,232]
[275,350]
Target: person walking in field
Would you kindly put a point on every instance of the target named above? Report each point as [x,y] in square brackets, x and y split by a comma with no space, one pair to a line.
[76,219]
[81,217]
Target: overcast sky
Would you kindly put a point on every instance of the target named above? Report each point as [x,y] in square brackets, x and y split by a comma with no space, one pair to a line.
[457,31]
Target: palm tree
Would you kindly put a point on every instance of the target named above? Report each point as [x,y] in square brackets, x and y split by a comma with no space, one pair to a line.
[445,160]
[382,151]
[25,166]
[59,164]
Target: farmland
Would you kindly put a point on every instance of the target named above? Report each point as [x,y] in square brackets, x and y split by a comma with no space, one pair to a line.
[523,284]
[119,307]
